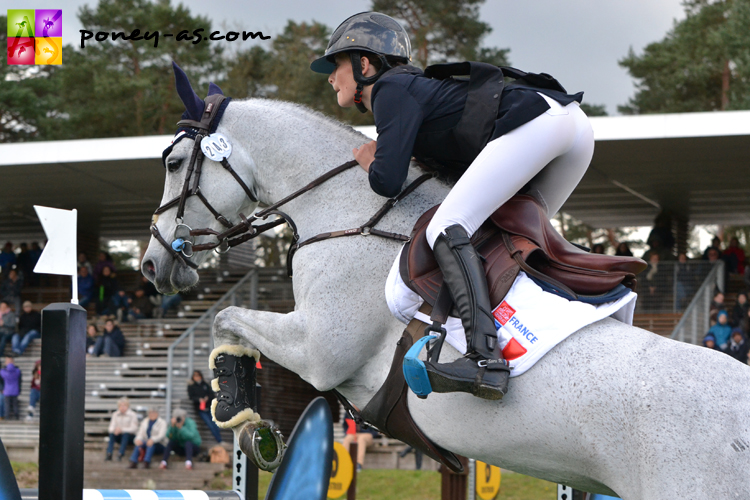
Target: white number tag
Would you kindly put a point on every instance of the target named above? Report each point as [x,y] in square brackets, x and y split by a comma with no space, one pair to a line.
[216,147]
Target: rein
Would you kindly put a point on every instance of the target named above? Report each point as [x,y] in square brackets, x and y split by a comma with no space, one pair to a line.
[182,246]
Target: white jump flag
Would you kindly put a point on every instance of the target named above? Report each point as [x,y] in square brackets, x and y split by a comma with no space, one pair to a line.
[59,255]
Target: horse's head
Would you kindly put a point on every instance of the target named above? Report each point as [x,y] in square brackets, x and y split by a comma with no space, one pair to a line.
[205,192]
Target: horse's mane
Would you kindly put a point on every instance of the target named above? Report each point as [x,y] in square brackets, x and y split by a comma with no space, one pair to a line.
[322,119]
[297,109]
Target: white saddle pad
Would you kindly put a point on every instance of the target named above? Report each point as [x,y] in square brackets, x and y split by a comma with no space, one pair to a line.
[529,321]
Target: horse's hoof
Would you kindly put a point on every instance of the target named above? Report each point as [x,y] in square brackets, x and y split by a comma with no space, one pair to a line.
[263,443]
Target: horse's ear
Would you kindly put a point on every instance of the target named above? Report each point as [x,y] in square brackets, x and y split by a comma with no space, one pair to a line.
[214,89]
[193,104]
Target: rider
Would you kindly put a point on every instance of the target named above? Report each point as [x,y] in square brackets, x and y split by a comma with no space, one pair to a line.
[529,136]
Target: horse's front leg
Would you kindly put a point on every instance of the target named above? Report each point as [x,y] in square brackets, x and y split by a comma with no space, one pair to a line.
[281,337]
[239,336]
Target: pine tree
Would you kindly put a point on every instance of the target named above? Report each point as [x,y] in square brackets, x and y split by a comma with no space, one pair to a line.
[443,30]
[703,63]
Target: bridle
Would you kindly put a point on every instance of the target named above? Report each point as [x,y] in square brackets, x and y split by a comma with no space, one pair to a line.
[182,246]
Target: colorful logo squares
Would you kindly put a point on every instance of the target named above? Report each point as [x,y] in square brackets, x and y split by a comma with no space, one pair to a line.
[34,36]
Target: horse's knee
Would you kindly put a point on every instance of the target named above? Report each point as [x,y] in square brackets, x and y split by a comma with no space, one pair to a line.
[224,327]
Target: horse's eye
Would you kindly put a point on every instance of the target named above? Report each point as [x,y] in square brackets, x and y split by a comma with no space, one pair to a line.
[174,165]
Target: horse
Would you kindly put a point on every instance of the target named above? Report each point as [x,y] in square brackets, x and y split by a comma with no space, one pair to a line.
[613,409]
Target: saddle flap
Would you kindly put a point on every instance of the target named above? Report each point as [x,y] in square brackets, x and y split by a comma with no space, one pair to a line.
[420,271]
[536,242]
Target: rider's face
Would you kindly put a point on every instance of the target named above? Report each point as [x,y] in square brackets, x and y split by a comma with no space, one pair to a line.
[342,81]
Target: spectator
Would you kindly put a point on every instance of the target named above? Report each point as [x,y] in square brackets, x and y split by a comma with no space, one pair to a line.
[150,439]
[201,394]
[721,330]
[105,290]
[2,399]
[737,256]
[118,305]
[717,304]
[91,336]
[738,347]
[23,262]
[623,250]
[12,379]
[656,280]
[86,287]
[36,387]
[7,258]
[363,437]
[105,261]
[715,244]
[29,328]
[83,262]
[183,437]
[739,311]
[140,306]
[7,325]
[168,302]
[710,341]
[598,248]
[35,253]
[747,276]
[10,290]
[122,428]
[686,282]
[112,341]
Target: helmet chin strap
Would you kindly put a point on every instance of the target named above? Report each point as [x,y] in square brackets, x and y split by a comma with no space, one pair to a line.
[365,80]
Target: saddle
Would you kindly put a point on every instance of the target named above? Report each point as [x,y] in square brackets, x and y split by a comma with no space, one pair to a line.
[519,236]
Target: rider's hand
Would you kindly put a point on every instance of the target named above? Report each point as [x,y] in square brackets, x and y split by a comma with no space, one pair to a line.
[365,154]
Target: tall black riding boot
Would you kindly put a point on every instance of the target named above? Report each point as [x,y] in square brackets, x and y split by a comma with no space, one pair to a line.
[482,371]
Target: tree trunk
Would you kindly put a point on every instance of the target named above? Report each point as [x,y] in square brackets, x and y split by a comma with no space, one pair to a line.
[725,86]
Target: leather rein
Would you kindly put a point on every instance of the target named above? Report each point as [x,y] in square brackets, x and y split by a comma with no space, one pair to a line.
[182,246]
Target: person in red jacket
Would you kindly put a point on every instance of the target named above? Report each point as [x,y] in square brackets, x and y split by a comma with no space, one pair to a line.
[737,254]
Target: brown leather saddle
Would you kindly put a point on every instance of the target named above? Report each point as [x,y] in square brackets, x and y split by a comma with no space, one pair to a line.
[519,236]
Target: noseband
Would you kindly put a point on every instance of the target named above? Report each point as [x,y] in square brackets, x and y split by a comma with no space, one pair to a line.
[217,148]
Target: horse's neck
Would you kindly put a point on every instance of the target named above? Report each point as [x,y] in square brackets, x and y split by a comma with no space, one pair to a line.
[291,146]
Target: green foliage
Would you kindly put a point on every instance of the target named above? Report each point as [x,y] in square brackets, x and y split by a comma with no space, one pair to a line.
[27,94]
[594,109]
[443,30]
[703,63]
[132,82]
[283,72]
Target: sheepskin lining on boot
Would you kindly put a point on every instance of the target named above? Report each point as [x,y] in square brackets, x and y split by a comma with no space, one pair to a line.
[234,350]
[246,415]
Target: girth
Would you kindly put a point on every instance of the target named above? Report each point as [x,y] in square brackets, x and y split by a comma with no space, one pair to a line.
[388,411]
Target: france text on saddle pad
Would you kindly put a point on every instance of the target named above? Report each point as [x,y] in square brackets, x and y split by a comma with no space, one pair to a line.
[530,321]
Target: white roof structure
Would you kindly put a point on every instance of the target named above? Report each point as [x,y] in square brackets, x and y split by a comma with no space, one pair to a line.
[695,165]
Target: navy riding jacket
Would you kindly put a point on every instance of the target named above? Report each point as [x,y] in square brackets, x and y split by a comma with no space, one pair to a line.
[406,103]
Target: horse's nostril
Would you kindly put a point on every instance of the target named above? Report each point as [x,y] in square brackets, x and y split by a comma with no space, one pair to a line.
[149,270]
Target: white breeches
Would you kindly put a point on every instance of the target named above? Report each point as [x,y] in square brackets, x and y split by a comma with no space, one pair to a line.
[552,152]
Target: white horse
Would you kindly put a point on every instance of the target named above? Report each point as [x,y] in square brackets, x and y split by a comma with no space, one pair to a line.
[613,409]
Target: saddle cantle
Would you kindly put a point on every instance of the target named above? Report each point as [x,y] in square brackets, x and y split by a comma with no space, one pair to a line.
[519,236]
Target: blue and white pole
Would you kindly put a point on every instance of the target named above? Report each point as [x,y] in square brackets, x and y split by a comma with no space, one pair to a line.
[146,495]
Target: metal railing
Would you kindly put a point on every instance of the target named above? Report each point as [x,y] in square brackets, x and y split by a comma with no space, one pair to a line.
[243,294]
[669,286]
[694,323]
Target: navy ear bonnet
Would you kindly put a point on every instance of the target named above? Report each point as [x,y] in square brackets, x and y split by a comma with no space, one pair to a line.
[194,106]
